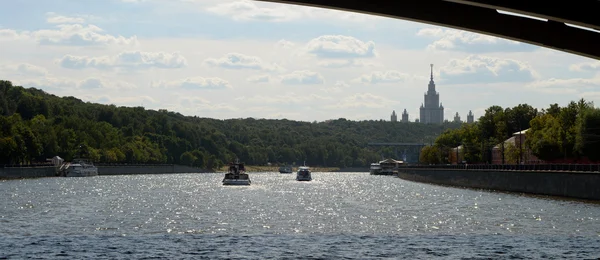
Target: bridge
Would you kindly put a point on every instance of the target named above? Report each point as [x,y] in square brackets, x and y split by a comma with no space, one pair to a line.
[572,27]
[410,154]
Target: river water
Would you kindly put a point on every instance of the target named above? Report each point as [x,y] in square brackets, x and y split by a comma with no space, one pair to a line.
[336,216]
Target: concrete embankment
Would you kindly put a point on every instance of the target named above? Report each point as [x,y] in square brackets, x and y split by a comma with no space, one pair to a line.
[581,185]
[353,169]
[49,171]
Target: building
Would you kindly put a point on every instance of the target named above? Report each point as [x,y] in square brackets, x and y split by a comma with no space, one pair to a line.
[394,117]
[431,111]
[470,117]
[456,118]
[405,116]
[515,151]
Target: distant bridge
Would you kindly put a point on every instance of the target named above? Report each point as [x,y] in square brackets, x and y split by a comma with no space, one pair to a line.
[397,144]
[410,154]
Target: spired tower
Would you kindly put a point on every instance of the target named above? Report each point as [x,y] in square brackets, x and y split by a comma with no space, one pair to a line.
[432,111]
[456,118]
[470,117]
[405,116]
[394,117]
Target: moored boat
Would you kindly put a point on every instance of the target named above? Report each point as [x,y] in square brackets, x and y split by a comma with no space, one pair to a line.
[236,175]
[285,169]
[80,168]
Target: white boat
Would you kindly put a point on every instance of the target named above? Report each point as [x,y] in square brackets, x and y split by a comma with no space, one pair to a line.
[389,167]
[80,168]
[237,175]
[375,169]
[303,174]
[285,169]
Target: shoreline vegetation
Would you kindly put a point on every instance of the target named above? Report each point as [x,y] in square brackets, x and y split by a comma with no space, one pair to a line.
[251,169]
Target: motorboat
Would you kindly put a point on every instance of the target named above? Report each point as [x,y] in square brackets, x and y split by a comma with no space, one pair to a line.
[236,175]
[80,168]
[389,167]
[375,169]
[303,174]
[285,169]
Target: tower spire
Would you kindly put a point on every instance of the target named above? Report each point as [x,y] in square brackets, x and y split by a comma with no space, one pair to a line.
[431,72]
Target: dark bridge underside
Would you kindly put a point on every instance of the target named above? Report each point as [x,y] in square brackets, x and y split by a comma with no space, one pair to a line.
[480,16]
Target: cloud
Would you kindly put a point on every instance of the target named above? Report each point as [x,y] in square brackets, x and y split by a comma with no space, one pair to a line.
[196,83]
[259,79]
[241,61]
[390,76]
[456,40]
[484,69]
[79,35]
[245,10]
[283,99]
[59,19]
[337,64]
[340,47]
[302,77]
[9,35]
[338,87]
[249,11]
[362,100]
[284,44]
[200,104]
[565,86]
[128,59]
[586,66]
[91,83]
[24,69]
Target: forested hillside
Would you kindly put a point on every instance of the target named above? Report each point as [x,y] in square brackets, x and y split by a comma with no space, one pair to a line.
[35,125]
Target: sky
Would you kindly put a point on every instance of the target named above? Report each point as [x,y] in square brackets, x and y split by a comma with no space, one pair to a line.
[238,59]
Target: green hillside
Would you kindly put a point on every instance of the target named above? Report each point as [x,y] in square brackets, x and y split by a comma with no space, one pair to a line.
[35,125]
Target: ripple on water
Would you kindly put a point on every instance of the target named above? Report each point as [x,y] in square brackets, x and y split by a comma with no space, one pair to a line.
[355,215]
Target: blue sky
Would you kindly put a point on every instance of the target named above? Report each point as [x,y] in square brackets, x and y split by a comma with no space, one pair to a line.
[238,59]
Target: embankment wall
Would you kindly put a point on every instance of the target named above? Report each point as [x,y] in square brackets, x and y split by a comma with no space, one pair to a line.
[26,172]
[582,185]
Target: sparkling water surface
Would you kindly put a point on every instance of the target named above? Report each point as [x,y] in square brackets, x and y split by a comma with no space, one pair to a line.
[337,215]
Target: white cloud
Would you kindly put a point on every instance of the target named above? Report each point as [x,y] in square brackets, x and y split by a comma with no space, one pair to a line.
[127,59]
[68,84]
[244,10]
[196,83]
[390,76]
[338,87]
[362,100]
[60,19]
[79,35]
[337,64]
[450,39]
[9,35]
[565,86]
[24,69]
[288,98]
[259,79]
[481,69]
[302,77]
[586,66]
[201,105]
[241,61]
[340,46]
[284,44]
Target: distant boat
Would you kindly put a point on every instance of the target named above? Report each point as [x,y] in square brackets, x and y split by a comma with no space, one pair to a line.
[303,173]
[80,168]
[285,169]
[388,167]
[236,175]
[375,169]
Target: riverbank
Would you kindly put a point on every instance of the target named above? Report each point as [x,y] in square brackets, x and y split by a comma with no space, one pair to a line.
[253,168]
[50,171]
[580,185]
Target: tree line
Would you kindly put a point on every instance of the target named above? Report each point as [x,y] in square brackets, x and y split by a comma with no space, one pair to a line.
[556,134]
[35,126]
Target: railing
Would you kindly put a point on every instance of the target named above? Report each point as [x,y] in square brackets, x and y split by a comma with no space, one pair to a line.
[514,167]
